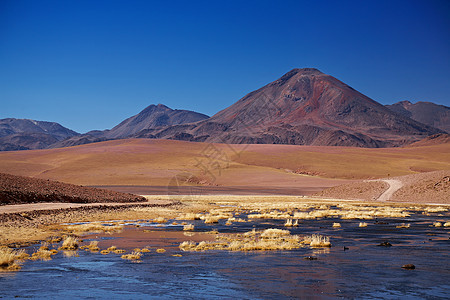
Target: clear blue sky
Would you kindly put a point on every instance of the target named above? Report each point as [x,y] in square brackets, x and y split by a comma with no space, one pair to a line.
[91,64]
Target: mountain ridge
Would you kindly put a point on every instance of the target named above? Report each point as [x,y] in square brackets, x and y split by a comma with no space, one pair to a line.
[306,107]
[302,107]
[425,112]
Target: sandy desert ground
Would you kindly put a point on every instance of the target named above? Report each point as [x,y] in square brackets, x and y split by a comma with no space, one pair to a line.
[147,162]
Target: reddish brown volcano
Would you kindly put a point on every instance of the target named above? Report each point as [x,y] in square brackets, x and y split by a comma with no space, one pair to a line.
[304,107]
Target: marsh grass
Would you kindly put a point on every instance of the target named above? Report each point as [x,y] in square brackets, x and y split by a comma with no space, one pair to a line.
[318,241]
[188,227]
[93,246]
[10,259]
[267,240]
[132,256]
[403,225]
[70,243]
[94,227]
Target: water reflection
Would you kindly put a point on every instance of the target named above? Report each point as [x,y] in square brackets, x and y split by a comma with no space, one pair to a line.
[360,270]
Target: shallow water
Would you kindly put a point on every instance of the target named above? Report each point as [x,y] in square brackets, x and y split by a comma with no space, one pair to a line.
[365,270]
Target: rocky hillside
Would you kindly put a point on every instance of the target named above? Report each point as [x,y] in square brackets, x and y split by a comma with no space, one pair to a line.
[425,112]
[20,189]
[24,134]
[303,107]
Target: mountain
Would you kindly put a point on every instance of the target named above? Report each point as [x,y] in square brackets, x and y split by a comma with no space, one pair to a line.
[303,107]
[153,116]
[24,134]
[425,112]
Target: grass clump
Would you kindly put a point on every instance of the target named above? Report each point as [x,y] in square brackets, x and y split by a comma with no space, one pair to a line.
[266,240]
[188,227]
[318,241]
[362,224]
[132,256]
[70,243]
[9,258]
[403,225]
[95,227]
[336,225]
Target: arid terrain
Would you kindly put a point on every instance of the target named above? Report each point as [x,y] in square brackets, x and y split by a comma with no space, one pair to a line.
[149,162]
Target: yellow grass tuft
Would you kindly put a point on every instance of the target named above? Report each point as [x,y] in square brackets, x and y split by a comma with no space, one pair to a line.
[403,225]
[188,227]
[132,256]
[160,250]
[8,259]
[93,246]
[437,224]
[336,225]
[160,220]
[273,232]
[70,243]
[318,241]
[362,224]
[95,227]
[447,224]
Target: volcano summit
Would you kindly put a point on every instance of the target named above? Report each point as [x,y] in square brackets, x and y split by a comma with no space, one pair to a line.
[303,107]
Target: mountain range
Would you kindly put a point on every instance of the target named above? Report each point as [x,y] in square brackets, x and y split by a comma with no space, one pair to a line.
[303,107]
[25,134]
[425,112]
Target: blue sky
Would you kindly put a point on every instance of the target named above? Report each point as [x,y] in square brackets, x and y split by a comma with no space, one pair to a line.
[91,64]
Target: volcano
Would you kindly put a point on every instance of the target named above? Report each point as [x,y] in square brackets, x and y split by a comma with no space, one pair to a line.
[303,107]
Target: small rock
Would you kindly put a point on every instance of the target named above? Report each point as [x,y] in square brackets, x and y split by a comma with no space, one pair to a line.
[310,258]
[409,267]
[385,244]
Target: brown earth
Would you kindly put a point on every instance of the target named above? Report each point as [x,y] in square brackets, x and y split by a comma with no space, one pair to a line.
[20,189]
[360,190]
[149,162]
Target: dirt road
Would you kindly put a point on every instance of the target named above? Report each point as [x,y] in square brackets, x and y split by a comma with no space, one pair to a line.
[394,185]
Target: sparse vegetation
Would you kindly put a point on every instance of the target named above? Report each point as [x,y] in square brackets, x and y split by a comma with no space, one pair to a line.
[9,258]
[70,243]
[188,227]
[132,256]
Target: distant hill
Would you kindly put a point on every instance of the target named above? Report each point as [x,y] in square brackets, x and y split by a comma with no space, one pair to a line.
[24,134]
[436,139]
[425,112]
[303,107]
[153,116]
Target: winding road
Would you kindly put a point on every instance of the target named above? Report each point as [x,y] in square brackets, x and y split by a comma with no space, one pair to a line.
[394,185]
